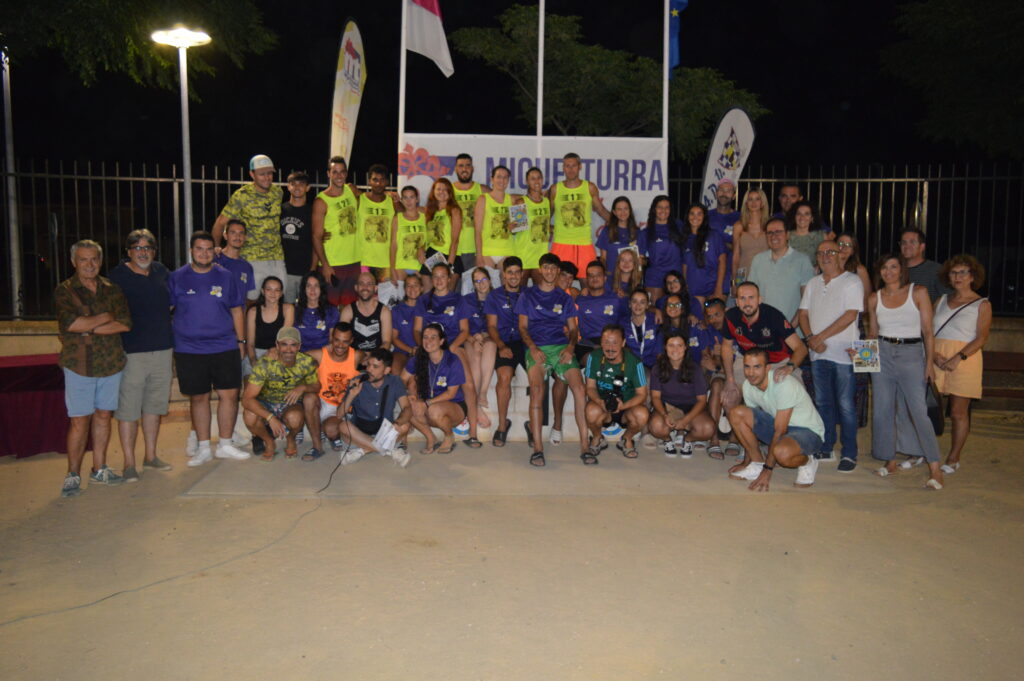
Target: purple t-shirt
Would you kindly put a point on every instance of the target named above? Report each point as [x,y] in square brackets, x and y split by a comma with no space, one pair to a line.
[203,324]
[678,394]
[695,306]
[662,253]
[701,280]
[472,308]
[502,304]
[546,314]
[445,373]
[402,319]
[443,310]
[315,330]
[642,341]
[597,311]
[604,243]
[241,269]
[704,338]
[723,222]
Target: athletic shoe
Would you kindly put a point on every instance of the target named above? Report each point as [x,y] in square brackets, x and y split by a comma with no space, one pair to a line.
[750,473]
[130,474]
[723,424]
[670,449]
[191,444]
[226,450]
[72,485]
[352,455]
[555,437]
[203,454]
[846,465]
[105,476]
[686,450]
[805,474]
[158,464]
[679,437]
[612,430]
[336,445]
[462,430]
[826,456]
[401,457]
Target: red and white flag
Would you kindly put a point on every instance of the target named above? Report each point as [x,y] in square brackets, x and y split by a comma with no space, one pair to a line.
[425,33]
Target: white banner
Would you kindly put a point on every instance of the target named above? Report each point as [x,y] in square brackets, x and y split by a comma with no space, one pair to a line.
[348,91]
[727,154]
[634,167]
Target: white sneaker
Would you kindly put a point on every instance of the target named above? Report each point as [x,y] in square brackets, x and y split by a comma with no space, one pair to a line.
[685,450]
[805,474]
[462,430]
[670,449]
[555,437]
[226,450]
[352,455]
[202,455]
[401,457]
[749,473]
[191,444]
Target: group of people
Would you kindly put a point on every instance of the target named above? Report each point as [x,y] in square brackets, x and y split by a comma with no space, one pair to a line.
[688,332]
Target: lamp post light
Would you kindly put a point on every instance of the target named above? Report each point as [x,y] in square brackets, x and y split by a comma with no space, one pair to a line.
[184,38]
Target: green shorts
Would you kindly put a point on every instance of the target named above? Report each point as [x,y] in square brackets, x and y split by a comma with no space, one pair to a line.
[551,363]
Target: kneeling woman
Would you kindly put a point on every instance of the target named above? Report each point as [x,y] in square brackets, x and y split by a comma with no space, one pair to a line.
[679,397]
[435,377]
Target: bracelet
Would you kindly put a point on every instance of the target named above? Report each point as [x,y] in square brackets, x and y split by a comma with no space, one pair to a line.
[963,357]
[242,341]
[768,468]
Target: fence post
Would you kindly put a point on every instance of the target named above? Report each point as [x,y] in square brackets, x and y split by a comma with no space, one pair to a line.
[923,225]
[177,218]
[14,237]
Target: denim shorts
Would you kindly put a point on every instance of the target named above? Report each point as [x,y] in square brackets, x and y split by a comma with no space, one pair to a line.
[764,429]
[83,395]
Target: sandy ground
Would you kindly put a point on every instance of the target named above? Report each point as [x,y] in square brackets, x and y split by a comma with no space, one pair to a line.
[578,581]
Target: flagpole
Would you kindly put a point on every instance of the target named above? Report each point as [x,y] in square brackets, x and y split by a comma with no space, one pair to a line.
[540,83]
[401,79]
[665,72]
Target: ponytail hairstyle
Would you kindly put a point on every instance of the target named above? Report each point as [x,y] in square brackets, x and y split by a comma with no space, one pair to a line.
[422,366]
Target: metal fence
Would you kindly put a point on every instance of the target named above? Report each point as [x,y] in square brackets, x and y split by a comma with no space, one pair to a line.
[973,208]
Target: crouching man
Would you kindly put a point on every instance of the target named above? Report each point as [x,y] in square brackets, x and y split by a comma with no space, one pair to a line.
[281,396]
[779,414]
[616,391]
[372,400]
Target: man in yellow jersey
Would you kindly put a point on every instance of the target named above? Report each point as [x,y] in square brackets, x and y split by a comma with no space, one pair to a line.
[572,201]
[376,210]
[466,193]
[258,205]
[335,242]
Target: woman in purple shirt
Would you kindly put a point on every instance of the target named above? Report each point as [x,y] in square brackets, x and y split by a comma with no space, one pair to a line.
[402,340]
[435,377]
[620,232]
[314,316]
[480,349]
[660,242]
[704,256]
[679,397]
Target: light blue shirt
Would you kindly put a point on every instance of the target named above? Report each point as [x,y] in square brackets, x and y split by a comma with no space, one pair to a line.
[780,280]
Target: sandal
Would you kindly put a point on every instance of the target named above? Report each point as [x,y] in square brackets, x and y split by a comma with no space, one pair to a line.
[500,435]
[537,459]
[291,453]
[432,449]
[449,450]
[715,452]
[589,457]
[313,454]
[601,445]
[470,442]
[629,453]
[268,454]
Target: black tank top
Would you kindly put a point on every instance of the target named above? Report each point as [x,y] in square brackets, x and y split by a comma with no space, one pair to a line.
[366,332]
[266,332]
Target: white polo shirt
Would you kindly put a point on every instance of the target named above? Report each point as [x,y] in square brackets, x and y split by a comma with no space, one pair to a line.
[826,303]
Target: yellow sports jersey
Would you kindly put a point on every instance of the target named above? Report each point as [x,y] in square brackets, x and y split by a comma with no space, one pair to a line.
[466,198]
[340,222]
[375,231]
[409,237]
[439,232]
[572,214]
[536,240]
[496,232]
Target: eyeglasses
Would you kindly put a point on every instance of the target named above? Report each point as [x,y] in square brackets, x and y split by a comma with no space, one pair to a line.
[830,251]
[674,305]
[141,249]
[845,244]
[480,280]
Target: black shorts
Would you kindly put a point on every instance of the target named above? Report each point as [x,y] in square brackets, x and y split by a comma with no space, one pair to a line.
[518,349]
[581,352]
[196,373]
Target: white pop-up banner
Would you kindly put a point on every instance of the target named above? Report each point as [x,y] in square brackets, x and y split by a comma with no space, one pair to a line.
[634,167]
[727,154]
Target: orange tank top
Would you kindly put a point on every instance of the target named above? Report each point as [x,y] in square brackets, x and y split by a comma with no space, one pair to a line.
[334,375]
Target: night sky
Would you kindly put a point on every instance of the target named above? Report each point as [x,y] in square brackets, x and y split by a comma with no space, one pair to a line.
[814,64]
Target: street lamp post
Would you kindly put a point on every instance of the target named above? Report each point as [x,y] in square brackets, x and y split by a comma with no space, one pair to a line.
[184,38]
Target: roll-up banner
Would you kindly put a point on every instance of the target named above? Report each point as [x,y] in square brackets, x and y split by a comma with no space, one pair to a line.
[633,167]
[728,153]
[348,91]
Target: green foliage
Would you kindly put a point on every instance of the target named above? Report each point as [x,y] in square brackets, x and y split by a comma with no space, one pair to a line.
[601,92]
[959,58]
[95,36]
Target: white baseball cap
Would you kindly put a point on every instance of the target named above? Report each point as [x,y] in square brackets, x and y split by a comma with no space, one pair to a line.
[260,161]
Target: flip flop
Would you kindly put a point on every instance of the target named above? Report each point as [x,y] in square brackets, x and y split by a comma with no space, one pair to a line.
[432,449]
[501,435]
[268,454]
[537,460]
[470,442]
[449,450]
[715,452]
[291,453]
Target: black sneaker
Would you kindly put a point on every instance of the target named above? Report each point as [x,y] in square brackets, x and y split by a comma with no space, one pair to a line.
[846,465]
[258,445]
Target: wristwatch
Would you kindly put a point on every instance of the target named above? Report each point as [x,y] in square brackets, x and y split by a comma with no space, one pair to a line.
[962,355]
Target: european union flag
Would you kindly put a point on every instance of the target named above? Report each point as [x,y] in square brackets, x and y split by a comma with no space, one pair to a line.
[674,8]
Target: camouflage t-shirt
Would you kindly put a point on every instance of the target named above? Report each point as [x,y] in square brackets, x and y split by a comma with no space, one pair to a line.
[277,379]
[261,214]
[90,354]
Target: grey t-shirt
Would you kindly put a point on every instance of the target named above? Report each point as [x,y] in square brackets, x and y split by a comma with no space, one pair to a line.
[927,274]
[367,404]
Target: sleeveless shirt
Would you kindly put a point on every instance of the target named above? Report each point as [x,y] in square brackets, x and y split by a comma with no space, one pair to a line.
[366,332]
[340,222]
[375,231]
[572,214]
[466,198]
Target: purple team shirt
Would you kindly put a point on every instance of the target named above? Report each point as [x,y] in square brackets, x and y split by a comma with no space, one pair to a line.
[241,269]
[597,311]
[502,304]
[443,310]
[402,319]
[642,342]
[547,314]
[472,308]
[445,373]
[315,330]
[662,253]
[203,323]
[701,280]
[604,243]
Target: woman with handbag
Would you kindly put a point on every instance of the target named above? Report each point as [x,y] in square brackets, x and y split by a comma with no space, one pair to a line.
[900,317]
[963,320]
